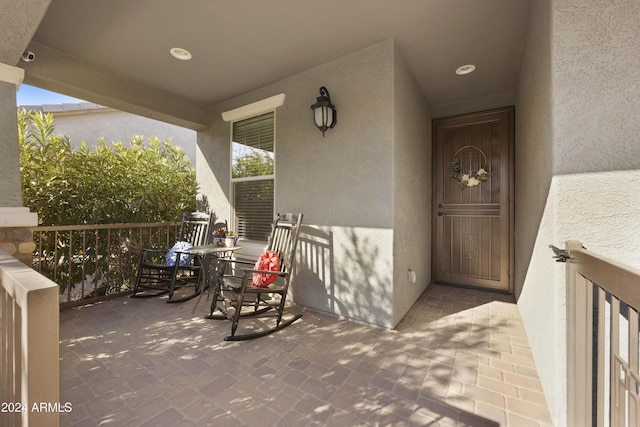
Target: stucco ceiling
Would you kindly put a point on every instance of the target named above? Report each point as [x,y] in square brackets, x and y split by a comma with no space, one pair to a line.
[240,45]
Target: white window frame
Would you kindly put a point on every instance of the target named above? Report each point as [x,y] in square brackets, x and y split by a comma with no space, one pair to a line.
[251,248]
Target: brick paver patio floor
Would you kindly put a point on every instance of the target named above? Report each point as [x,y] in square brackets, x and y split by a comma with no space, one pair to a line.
[460,357]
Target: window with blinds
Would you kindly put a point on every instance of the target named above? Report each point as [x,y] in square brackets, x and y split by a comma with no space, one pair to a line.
[252,175]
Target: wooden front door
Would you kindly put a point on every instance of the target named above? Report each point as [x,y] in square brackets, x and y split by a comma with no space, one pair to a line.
[473,211]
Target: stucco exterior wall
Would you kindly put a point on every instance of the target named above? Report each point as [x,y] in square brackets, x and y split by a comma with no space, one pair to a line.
[10,186]
[344,183]
[19,21]
[596,86]
[90,124]
[412,174]
[534,135]
[576,161]
[538,297]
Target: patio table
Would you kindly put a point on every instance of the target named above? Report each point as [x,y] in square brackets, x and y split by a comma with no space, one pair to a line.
[209,257]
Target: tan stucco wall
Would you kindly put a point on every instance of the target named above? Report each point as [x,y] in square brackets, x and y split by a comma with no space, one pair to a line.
[534,135]
[344,183]
[10,186]
[534,171]
[596,108]
[18,21]
[113,125]
[412,173]
[577,109]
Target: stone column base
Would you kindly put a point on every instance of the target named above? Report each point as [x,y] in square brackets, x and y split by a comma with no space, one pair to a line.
[16,237]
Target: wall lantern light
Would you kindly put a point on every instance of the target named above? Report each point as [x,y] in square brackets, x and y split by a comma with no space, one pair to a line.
[324,112]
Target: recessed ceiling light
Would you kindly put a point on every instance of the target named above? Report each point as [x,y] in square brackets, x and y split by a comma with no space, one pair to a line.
[179,53]
[465,69]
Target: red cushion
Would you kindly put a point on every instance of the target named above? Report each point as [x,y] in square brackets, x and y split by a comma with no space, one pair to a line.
[268,261]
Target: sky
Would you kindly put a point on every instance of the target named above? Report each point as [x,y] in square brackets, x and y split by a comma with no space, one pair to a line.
[30,95]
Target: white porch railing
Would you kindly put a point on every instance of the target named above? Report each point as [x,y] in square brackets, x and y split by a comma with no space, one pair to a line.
[29,352]
[603,298]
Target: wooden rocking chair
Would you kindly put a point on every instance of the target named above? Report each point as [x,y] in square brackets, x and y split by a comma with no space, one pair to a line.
[157,276]
[260,292]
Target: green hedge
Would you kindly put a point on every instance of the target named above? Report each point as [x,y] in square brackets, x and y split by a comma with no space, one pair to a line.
[110,183]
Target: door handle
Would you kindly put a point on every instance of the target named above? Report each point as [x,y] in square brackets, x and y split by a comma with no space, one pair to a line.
[440,214]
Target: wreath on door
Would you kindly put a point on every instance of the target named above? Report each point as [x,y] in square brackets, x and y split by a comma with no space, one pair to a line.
[470,178]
